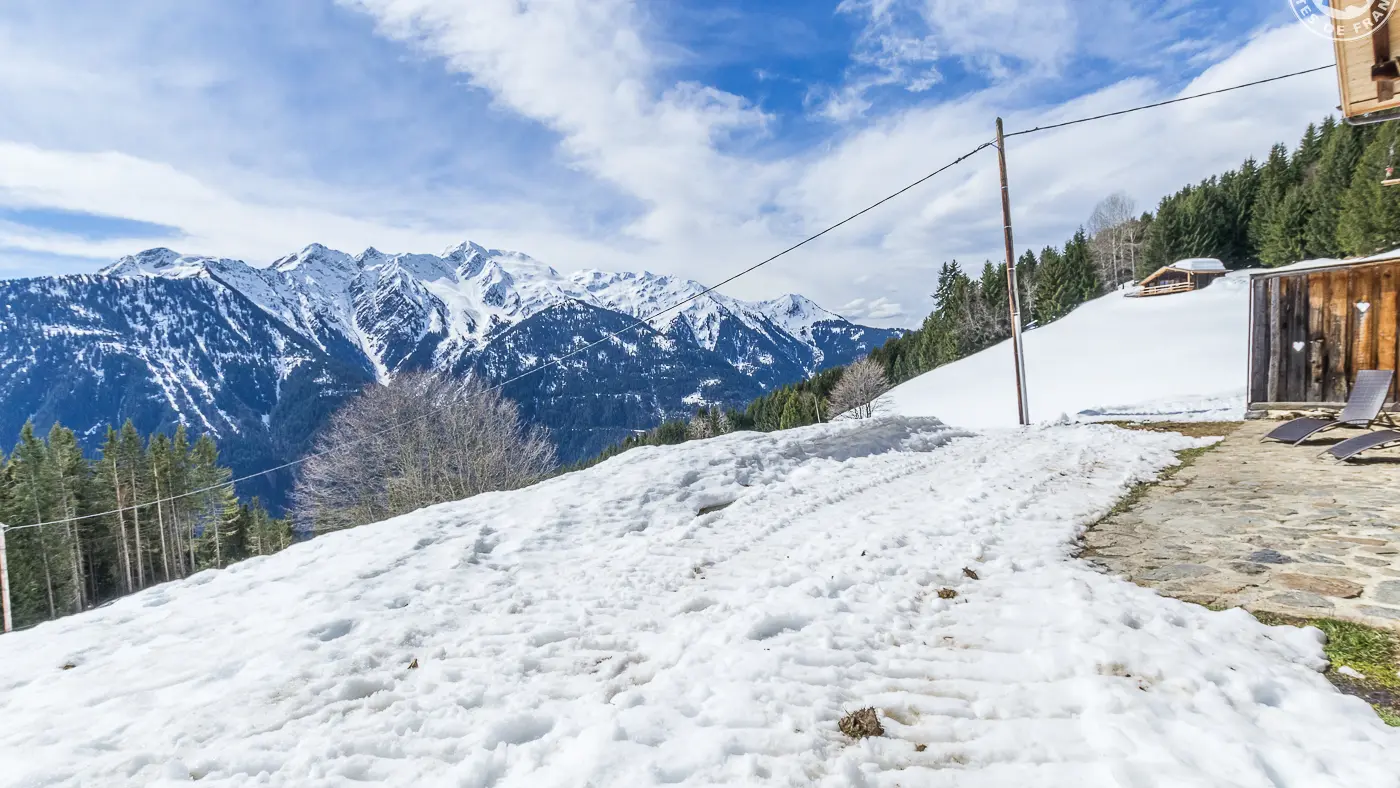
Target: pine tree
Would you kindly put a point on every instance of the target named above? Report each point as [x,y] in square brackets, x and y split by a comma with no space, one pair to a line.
[1285,235]
[1341,150]
[1370,215]
[1053,287]
[1307,154]
[131,478]
[1275,180]
[71,474]
[177,483]
[159,458]
[1082,274]
[40,553]
[240,539]
[1239,189]
[1025,284]
[996,311]
[216,505]
[799,411]
[111,475]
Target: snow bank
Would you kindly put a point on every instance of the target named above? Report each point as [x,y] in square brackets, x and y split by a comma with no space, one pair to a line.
[1180,357]
[700,615]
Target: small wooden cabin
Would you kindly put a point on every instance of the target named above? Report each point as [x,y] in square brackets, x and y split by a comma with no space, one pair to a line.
[1181,276]
[1313,325]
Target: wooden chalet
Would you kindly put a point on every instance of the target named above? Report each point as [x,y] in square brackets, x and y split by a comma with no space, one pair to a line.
[1181,277]
[1368,69]
[1314,325]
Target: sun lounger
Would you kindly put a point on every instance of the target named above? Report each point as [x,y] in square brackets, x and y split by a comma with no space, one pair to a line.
[1362,411]
[1351,447]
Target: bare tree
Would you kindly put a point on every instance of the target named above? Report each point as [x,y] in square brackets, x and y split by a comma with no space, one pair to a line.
[854,395]
[421,440]
[1116,233]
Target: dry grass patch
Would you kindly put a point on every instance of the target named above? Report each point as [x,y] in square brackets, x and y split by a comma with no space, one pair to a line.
[1191,429]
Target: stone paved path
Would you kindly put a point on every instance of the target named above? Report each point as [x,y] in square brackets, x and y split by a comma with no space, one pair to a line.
[1267,527]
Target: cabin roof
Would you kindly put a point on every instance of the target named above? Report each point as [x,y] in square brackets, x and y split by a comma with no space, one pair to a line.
[1327,264]
[1198,264]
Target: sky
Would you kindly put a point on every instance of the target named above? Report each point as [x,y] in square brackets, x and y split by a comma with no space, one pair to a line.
[686,137]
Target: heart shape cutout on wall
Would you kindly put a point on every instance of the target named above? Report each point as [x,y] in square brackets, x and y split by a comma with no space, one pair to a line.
[1362,306]
[1297,345]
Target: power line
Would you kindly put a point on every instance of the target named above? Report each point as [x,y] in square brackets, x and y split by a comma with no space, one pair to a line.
[1171,101]
[552,363]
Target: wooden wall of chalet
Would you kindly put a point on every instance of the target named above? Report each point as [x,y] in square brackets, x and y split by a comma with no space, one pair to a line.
[1311,331]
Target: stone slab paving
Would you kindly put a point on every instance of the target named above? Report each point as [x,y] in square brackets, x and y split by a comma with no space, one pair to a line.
[1267,527]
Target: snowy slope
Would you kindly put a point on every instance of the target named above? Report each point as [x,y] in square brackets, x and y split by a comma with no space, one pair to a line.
[597,630]
[1179,356]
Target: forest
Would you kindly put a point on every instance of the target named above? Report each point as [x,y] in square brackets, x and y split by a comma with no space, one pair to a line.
[144,511]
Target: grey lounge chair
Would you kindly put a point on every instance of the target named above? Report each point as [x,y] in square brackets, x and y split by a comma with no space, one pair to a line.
[1363,410]
[1351,447]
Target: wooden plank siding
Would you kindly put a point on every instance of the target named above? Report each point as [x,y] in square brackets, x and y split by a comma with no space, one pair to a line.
[1258,341]
[1296,341]
[1335,336]
[1317,311]
[1311,331]
[1387,318]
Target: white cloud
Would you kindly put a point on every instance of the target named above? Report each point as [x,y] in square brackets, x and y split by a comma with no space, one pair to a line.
[582,67]
[700,195]
[882,309]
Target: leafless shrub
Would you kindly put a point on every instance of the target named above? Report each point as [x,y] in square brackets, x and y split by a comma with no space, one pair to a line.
[860,385]
[421,440]
[861,724]
[699,427]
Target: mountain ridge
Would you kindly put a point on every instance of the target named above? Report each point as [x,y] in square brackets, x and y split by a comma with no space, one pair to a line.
[513,286]
[260,356]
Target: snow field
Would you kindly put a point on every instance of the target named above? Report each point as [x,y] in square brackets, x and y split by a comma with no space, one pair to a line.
[599,630]
[1179,357]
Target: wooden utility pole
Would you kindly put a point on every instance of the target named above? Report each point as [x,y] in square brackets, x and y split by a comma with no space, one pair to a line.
[5,583]
[1012,291]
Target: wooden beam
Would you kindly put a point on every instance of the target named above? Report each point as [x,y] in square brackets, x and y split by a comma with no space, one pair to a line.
[1297,405]
[1388,319]
[1384,72]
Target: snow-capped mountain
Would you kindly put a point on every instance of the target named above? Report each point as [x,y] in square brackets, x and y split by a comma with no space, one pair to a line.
[394,308]
[259,356]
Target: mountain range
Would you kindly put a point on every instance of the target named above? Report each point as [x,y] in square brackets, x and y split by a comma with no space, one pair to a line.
[259,357]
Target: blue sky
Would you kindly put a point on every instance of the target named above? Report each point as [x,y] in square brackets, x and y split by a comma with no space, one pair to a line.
[670,135]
